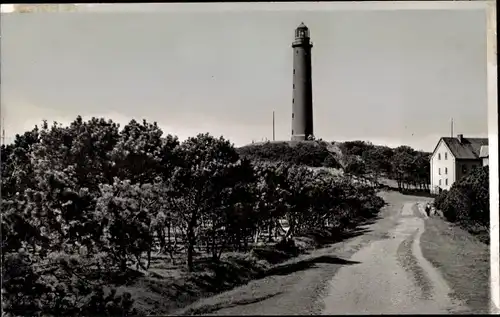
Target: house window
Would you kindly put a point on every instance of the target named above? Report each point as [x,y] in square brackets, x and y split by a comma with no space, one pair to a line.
[445,156]
[439,182]
[446,170]
[439,171]
[439,156]
[446,181]
[464,169]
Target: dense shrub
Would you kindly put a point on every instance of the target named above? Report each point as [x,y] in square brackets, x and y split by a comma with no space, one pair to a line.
[309,153]
[440,200]
[357,158]
[57,287]
[86,202]
[467,201]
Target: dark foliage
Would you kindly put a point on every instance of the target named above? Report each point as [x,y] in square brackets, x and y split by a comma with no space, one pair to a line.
[410,168]
[309,153]
[85,202]
[467,201]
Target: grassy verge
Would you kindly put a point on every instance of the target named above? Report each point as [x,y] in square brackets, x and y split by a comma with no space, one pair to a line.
[167,287]
[462,259]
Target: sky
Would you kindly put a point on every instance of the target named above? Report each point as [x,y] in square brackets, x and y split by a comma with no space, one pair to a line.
[387,76]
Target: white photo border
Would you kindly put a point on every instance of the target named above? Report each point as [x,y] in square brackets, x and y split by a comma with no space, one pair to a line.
[490,11]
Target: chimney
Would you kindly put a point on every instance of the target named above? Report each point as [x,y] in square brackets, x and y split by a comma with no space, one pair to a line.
[460,137]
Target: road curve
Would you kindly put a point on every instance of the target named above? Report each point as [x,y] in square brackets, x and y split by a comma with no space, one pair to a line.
[392,277]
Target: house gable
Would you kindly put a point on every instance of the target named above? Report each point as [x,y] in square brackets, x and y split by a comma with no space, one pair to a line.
[438,145]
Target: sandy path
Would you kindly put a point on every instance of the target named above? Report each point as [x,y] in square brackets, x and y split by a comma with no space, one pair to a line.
[393,277]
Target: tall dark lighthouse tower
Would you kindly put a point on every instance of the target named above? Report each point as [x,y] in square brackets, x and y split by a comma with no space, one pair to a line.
[302,108]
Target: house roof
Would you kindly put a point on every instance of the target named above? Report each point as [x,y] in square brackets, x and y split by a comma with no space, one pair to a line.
[484,151]
[469,148]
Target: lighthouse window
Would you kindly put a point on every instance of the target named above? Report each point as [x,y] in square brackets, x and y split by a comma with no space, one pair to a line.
[294,71]
[292,115]
[293,86]
[296,51]
[293,100]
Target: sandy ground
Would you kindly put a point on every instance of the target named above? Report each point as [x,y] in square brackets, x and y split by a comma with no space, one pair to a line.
[379,272]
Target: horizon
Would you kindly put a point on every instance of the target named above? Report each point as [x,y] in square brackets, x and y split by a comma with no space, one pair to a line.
[226,73]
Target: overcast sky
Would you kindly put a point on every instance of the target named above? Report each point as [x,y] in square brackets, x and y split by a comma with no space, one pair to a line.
[391,77]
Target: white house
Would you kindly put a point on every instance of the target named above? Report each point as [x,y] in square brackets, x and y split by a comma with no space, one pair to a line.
[454,158]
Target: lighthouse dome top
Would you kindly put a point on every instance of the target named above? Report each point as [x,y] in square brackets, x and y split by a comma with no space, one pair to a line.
[302,26]
[302,31]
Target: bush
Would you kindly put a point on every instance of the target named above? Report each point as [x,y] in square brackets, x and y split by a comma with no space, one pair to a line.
[331,161]
[439,201]
[57,289]
[467,201]
[309,153]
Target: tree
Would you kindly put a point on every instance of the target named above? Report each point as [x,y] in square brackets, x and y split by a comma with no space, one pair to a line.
[50,220]
[403,165]
[231,215]
[198,183]
[272,195]
[16,167]
[356,148]
[422,169]
[69,165]
[299,182]
[17,177]
[127,212]
[142,154]
[378,161]
[354,166]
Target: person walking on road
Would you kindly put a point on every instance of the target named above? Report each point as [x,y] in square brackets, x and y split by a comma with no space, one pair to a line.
[428,209]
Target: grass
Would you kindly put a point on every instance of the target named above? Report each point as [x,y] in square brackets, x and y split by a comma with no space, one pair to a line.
[479,231]
[410,263]
[462,259]
[167,287]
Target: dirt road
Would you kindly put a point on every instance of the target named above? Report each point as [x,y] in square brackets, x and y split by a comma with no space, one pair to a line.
[381,271]
[392,276]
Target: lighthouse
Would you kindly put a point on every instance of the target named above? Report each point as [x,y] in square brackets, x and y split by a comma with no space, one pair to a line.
[302,108]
